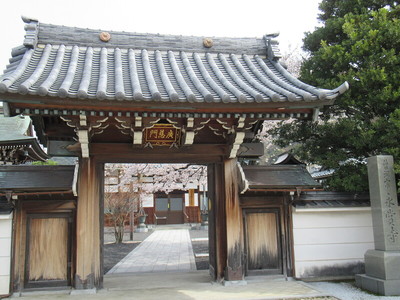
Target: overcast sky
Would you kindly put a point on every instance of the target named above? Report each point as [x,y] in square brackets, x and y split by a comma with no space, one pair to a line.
[248,18]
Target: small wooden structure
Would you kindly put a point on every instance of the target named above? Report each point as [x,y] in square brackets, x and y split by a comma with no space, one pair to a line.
[153,98]
[44,223]
[267,194]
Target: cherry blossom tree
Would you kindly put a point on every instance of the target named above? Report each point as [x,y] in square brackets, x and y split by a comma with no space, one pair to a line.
[132,182]
[118,206]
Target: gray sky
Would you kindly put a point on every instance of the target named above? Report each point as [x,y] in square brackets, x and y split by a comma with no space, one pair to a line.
[249,18]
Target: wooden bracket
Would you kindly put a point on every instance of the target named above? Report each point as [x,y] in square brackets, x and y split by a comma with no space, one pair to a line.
[239,137]
[85,129]
[191,130]
[83,136]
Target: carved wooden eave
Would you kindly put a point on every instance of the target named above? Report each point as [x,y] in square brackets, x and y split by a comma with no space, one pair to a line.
[85,129]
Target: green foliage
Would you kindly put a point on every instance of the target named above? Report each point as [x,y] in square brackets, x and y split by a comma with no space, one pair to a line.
[359,42]
[48,162]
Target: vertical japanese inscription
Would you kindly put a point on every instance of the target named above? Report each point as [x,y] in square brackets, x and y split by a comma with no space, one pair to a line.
[389,204]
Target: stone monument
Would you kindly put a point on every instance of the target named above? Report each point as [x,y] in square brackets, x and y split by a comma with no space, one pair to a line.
[382,265]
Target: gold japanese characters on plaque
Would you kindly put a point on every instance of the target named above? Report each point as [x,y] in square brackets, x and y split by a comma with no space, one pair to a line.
[162,135]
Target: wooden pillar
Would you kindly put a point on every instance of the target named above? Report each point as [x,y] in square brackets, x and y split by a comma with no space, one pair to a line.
[216,221]
[191,197]
[88,262]
[234,227]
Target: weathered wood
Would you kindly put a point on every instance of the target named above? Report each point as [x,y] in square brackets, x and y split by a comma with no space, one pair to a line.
[60,148]
[19,248]
[261,201]
[281,203]
[88,264]
[234,227]
[118,153]
[251,150]
[216,221]
[49,102]
[263,241]
[289,239]
[100,176]
[23,210]
[48,250]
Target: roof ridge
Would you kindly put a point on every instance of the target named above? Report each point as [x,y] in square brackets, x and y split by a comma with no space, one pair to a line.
[37,32]
[31,29]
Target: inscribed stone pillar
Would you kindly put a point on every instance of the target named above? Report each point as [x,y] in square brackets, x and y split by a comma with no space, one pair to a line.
[382,264]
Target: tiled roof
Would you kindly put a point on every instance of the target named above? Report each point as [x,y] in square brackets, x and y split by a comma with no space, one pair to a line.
[326,199]
[277,177]
[61,61]
[15,146]
[322,174]
[36,178]
[287,159]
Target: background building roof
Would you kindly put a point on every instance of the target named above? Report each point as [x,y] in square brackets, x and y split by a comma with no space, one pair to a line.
[15,146]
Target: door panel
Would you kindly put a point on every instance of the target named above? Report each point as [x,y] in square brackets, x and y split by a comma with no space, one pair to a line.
[175,215]
[176,204]
[263,244]
[171,207]
[48,253]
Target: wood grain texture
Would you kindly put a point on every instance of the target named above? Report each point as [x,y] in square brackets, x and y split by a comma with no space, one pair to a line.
[48,249]
[262,241]
[233,222]
[88,226]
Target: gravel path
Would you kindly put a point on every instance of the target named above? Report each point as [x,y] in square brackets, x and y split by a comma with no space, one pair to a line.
[347,291]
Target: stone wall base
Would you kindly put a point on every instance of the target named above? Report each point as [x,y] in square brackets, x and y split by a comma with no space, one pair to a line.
[378,286]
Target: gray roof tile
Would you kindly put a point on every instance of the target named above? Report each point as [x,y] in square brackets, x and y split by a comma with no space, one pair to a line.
[61,61]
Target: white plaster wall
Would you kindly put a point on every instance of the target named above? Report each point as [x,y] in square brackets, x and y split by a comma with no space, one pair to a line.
[148,200]
[330,239]
[5,253]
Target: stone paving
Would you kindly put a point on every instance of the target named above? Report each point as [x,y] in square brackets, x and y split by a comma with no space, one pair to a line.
[162,251]
[185,286]
[163,267]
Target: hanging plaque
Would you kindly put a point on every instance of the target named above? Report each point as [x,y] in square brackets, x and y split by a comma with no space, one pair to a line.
[162,135]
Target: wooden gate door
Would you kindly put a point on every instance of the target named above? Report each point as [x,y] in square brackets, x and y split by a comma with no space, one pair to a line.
[48,259]
[175,215]
[161,208]
[169,207]
[263,242]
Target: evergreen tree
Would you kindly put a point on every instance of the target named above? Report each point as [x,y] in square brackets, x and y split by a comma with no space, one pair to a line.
[358,42]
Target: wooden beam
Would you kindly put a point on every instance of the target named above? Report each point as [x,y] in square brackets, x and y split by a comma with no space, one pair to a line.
[251,150]
[60,148]
[200,153]
[16,100]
